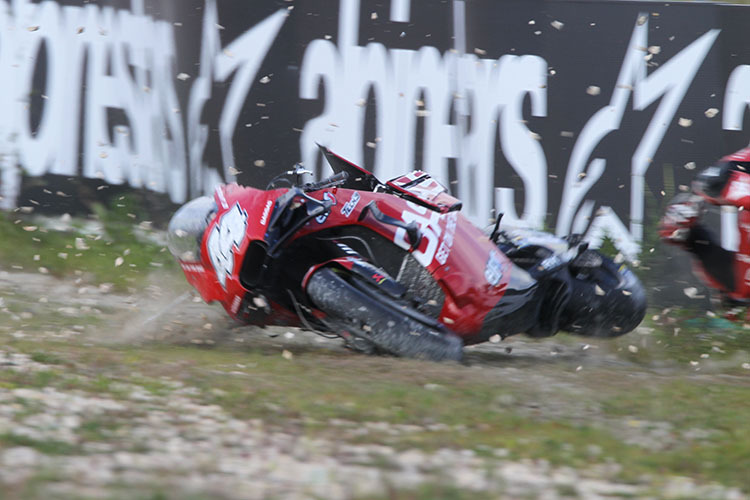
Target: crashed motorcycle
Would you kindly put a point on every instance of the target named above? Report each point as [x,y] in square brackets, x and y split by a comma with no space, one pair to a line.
[392,267]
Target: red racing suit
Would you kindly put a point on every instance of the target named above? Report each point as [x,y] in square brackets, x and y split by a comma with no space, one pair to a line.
[726,183]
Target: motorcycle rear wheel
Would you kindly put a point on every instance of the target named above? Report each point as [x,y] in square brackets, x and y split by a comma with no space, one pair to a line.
[379,322]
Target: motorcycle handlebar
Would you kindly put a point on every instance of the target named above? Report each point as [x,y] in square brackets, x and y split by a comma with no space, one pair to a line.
[331,181]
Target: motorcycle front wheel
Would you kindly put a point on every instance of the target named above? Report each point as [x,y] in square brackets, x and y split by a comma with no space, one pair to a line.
[380,322]
[606,300]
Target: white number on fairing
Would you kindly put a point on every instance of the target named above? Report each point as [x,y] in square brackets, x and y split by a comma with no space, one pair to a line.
[227,236]
[429,226]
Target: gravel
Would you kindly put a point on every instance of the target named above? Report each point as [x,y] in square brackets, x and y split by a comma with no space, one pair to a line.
[173,442]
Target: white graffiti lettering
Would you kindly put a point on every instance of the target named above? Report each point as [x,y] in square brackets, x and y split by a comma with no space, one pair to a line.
[737,98]
[125,62]
[400,78]
[241,58]
[129,56]
[670,82]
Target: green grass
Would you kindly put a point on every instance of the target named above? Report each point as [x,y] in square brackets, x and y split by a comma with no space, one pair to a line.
[47,358]
[476,412]
[690,381]
[683,336]
[73,253]
[98,429]
[433,491]
[48,447]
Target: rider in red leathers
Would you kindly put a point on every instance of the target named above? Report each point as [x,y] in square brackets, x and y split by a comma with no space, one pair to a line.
[726,183]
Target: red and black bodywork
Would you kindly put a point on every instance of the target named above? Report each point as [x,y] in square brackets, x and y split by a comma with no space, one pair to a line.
[727,183]
[404,239]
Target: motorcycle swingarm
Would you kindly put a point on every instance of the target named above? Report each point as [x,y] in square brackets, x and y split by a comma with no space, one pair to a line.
[382,282]
[369,273]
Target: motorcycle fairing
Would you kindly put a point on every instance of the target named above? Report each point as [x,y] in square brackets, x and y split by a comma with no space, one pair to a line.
[420,188]
[449,249]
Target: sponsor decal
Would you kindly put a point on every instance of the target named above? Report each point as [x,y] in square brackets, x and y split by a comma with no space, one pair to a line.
[235,304]
[226,236]
[436,229]
[444,250]
[222,198]
[192,268]
[378,278]
[266,210]
[552,262]
[739,188]
[350,205]
[493,271]
[429,227]
[346,249]
[320,219]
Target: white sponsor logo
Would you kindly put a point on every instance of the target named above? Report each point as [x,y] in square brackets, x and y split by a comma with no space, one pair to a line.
[444,250]
[347,249]
[493,271]
[266,210]
[439,239]
[739,188]
[320,219]
[235,304]
[192,268]
[350,205]
[226,236]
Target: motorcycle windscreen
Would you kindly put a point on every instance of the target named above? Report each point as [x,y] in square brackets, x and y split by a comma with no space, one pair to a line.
[359,178]
[185,230]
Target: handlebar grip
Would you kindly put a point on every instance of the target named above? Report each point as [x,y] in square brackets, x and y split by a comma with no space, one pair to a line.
[330,181]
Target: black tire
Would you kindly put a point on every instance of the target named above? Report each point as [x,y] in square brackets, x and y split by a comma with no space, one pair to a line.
[378,322]
[606,300]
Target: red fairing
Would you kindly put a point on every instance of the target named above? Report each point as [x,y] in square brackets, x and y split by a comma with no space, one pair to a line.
[737,190]
[451,248]
[243,214]
[470,269]
[742,259]
[740,156]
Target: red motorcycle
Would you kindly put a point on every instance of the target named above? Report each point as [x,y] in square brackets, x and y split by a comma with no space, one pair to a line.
[392,267]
